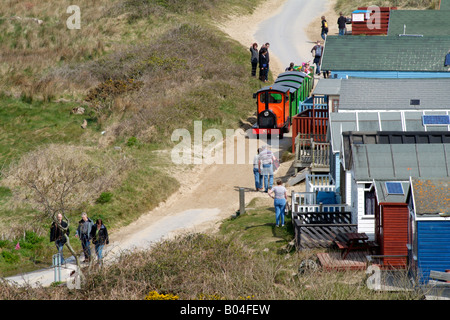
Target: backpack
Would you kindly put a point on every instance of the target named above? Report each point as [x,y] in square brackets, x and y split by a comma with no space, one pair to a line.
[318,51]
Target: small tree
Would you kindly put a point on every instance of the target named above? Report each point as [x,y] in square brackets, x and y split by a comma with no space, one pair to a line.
[61,178]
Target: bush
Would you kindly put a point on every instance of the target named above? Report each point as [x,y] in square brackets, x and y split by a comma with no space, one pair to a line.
[104,197]
[10,257]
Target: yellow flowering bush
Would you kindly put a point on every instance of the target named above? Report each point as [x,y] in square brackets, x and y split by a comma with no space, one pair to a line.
[154,295]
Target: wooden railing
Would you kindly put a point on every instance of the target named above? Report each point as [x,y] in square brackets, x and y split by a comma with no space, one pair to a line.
[311,154]
[314,102]
[320,182]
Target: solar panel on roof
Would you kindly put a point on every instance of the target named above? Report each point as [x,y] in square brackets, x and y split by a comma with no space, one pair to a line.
[436,119]
[394,188]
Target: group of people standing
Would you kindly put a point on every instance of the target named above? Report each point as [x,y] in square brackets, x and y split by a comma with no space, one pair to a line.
[86,231]
[341,22]
[260,57]
[263,169]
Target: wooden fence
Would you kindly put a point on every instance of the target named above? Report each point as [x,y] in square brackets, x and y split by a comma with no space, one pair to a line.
[372,25]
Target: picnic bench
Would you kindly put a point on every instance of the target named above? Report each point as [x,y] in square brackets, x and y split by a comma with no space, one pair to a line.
[354,241]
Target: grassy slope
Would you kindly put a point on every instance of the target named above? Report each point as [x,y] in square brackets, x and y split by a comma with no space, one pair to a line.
[257,264]
[140,69]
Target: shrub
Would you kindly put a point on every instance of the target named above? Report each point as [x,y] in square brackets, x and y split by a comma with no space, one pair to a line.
[104,197]
[10,257]
[154,295]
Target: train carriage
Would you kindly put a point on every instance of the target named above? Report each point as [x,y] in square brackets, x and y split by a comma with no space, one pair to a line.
[279,103]
[273,110]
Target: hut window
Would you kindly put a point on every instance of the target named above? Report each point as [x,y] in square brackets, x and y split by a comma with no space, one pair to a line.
[370,202]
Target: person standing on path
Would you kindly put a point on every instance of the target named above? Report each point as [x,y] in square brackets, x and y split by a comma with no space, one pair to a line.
[263,66]
[254,58]
[99,236]
[266,161]
[324,28]
[265,48]
[341,24]
[279,194]
[317,51]
[57,235]
[84,234]
[258,177]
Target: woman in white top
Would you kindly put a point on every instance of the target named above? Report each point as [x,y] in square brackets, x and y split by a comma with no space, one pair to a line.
[279,194]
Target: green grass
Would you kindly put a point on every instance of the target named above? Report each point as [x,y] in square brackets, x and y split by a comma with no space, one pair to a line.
[256,228]
[27,125]
[249,259]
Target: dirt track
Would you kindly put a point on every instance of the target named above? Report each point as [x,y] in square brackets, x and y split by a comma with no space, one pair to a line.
[210,193]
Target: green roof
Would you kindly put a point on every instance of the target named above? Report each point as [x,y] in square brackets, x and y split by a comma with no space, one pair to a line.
[423,22]
[385,53]
[445,5]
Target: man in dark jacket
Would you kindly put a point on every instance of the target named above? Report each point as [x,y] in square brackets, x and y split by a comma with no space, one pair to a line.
[341,24]
[57,235]
[99,235]
[263,65]
[84,234]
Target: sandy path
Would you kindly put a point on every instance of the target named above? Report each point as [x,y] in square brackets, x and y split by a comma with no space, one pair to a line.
[290,26]
[210,193]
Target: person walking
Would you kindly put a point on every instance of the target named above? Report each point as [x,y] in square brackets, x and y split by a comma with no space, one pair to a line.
[84,234]
[317,51]
[324,28]
[279,194]
[254,58]
[57,235]
[258,177]
[99,236]
[266,161]
[341,24]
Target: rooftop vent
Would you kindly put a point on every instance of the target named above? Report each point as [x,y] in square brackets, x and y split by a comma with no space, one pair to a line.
[408,35]
[414,102]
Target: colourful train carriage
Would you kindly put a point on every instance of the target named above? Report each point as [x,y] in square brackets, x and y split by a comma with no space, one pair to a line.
[273,110]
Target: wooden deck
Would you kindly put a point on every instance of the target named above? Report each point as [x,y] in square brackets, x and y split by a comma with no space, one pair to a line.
[332,261]
[320,229]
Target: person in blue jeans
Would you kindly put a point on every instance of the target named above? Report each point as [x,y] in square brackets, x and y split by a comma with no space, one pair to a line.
[99,235]
[84,234]
[279,194]
[258,177]
[266,159]
[58,235]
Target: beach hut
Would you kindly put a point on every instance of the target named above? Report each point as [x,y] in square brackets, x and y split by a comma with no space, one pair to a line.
[429,226]
[386,57]
[390,162]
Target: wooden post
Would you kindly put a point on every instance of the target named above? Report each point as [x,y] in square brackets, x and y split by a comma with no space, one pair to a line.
[241,200]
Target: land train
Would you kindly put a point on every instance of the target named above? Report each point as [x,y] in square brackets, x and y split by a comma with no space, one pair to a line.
[278,103]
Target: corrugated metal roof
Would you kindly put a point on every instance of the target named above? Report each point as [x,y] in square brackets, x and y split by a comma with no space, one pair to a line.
[327,87]
[385,53]
[390,137]
[431,196]
[400,161]
[372,121]
[394,94]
